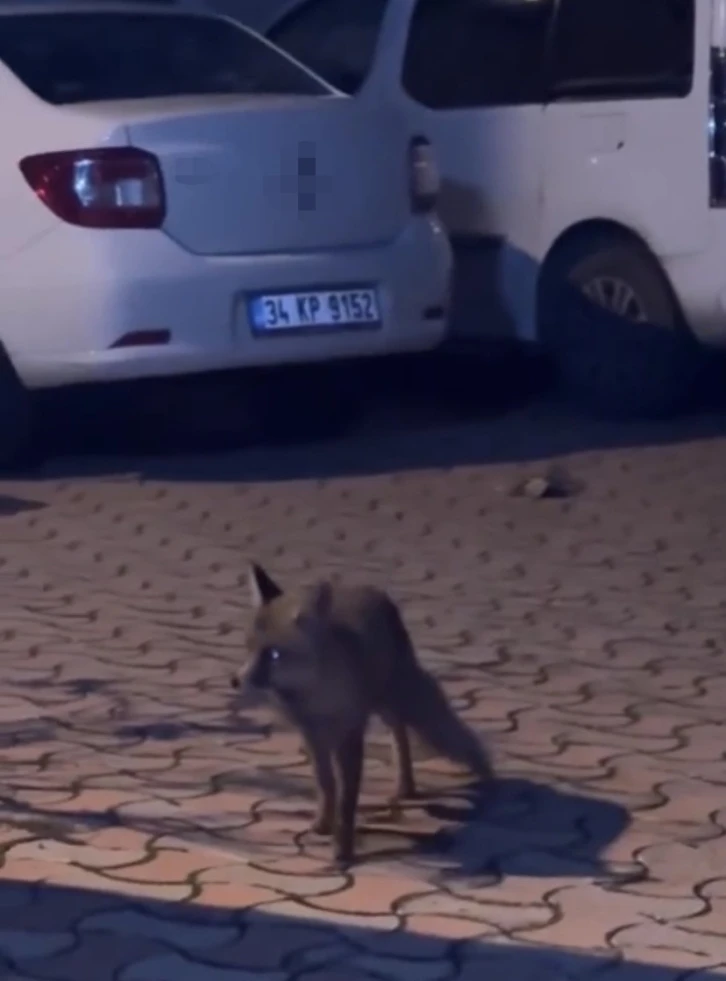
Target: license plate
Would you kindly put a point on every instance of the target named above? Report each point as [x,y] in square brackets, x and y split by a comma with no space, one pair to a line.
[329,309]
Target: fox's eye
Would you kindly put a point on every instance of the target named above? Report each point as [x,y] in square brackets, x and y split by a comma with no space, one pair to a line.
[271,654]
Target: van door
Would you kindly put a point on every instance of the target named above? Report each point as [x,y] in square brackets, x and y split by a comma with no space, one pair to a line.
[470,76]
[627,126]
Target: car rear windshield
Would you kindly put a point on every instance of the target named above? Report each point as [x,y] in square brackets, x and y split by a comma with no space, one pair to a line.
[69,58]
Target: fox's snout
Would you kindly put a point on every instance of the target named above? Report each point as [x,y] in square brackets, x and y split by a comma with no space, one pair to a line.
[255,676]
[259,675]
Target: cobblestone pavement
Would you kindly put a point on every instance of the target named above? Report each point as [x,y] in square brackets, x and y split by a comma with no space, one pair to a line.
[149,833]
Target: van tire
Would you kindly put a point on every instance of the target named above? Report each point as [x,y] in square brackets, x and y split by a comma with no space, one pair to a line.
[634,357]
[15,417]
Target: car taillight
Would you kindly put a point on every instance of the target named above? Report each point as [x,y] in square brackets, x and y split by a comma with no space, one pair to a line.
[424,175]
[106,187]
[717,129]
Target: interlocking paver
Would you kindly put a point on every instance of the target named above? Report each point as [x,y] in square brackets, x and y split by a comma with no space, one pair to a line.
[148,831]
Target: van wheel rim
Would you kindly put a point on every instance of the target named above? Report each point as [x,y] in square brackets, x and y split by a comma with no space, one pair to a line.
[617,296]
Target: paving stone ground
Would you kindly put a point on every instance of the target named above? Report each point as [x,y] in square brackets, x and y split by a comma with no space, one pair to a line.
[150,833]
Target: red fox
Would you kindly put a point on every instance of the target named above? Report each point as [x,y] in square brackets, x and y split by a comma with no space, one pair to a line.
[331,657]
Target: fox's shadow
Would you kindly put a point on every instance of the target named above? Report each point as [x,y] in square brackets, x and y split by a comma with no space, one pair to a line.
[516,827]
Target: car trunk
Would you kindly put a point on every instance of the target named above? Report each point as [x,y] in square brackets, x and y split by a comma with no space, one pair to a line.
[276,174]
[258,155]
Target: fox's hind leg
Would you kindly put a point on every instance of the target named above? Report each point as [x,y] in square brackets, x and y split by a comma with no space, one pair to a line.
[405,780]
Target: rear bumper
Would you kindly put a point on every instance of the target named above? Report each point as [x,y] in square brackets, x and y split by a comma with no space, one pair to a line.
[75,293]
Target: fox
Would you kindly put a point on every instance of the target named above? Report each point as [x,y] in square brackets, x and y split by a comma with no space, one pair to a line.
[331,657]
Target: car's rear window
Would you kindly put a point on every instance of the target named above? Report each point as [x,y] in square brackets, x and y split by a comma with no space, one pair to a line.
[97,56]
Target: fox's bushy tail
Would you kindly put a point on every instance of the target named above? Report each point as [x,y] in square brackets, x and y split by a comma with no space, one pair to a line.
[426,710]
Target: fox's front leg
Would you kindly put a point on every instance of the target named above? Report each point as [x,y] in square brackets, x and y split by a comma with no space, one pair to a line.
[322,762]
[349,765]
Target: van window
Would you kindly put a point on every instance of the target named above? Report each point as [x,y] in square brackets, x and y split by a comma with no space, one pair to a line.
[103,56]
[467,53]
[336,38]
[623,49]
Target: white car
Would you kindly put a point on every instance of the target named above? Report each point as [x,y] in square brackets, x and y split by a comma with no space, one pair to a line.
[179,196]
[582,146]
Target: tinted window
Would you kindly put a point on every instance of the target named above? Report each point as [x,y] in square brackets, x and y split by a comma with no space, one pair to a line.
[623,48]
[464,53]
[94,57]
[336,38]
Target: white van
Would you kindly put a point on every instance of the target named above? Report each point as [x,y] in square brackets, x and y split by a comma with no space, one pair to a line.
[581,142]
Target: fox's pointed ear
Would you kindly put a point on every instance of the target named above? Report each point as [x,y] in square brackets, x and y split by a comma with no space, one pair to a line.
[263,588]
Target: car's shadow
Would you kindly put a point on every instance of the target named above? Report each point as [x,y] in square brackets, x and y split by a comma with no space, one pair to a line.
[433,411]
[56,931]
[10,505]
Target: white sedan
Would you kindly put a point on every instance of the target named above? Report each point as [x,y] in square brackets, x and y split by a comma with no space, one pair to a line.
[180,196]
